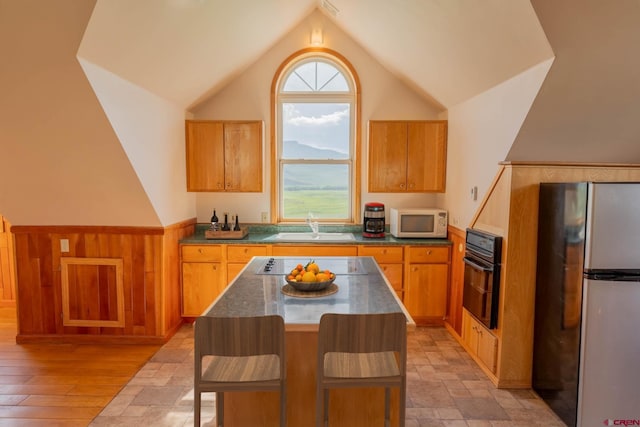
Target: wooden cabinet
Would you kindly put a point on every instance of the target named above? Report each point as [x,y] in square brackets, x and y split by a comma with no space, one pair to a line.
[407,156]
[426,282]
[239,255]
[224,156]
[390,259]
[480,342]
[202,277]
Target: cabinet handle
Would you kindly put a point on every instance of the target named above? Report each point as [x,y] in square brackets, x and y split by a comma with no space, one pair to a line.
[429,252]
[246,250]
[199,250]
[402,186]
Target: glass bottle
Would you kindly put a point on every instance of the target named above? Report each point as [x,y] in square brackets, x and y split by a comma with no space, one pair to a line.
[214,220]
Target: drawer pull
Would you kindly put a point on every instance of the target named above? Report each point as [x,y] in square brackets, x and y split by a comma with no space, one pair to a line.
[199,250]
[429,252]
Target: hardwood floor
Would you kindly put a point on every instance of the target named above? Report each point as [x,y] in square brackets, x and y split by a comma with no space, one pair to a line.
[60,384]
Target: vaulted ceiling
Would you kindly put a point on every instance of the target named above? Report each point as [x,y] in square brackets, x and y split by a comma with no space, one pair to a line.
[185,50]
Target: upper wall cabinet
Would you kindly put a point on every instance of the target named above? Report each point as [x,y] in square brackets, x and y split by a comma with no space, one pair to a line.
[407,156]
[224,155]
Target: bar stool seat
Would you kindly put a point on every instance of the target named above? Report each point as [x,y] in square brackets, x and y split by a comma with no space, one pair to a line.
[238,354]
[361,350]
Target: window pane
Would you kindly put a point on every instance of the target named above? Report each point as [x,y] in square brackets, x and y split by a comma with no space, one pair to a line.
[315,76]
[315,131]
[330,79]
[317,188]
[295,84]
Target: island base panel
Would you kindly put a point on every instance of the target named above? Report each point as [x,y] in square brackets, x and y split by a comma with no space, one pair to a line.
[351,407]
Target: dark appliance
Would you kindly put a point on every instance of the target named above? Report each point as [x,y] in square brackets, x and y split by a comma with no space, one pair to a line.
[482,259]
[373,222]
[585,339]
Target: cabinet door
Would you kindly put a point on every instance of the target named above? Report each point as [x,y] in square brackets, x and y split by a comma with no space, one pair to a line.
[426,291]
[201,285]
[387,156]
[487,348]
[205,156]
[243,156]
[426,156]
[393,273]
[469,332]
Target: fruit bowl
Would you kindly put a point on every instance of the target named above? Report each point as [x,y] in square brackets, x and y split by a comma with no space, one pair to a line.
[310,286]
[305,278]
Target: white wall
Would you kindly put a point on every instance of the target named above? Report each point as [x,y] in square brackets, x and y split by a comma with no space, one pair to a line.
[151,131]
[60,161]
[248,98]
[481,132]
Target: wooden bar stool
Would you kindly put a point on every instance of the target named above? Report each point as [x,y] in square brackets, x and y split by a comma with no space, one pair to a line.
[361,350]
[238,354]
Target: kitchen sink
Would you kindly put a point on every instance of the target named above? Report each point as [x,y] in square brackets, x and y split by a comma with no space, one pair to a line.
[312,237]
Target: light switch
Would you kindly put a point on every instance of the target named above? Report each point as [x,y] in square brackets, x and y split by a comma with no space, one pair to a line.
[64,245]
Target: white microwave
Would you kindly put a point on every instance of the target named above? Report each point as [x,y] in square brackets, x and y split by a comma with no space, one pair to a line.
[423,223]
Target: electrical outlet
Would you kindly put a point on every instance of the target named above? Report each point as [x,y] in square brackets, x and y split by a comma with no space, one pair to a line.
[64,245]
[264,216]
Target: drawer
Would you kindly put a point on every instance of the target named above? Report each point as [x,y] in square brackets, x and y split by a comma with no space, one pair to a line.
[242,253]
[204,253]
[382,253]
[428,254]
[314,250]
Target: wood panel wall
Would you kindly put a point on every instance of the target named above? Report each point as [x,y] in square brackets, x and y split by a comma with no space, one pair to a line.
[510,209]
[454,312]
[7,271]
[151,280]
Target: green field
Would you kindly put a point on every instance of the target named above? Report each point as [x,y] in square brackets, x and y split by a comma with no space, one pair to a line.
[331,204]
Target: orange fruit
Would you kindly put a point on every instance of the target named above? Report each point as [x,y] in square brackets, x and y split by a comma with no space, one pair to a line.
[309,276]
[313,267]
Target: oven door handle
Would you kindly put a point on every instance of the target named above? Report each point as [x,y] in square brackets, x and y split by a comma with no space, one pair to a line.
[475,265]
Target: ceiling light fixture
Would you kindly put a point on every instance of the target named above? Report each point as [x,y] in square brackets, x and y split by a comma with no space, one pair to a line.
[316,37]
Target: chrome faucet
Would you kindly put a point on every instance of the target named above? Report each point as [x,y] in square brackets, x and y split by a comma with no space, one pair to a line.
[313,223]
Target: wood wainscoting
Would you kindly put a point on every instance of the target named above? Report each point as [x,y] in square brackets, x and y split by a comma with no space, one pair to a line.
[7,271]
[149,282]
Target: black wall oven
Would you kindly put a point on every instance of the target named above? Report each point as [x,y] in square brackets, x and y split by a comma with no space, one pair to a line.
[481,292]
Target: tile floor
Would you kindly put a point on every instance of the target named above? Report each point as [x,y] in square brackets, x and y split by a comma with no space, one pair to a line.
[445,389]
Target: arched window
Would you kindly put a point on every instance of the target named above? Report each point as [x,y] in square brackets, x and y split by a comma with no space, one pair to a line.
[315,155]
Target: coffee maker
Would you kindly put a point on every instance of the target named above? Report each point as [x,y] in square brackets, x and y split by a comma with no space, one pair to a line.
[373,221]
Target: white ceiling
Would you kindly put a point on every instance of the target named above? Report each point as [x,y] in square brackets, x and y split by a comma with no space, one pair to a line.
[446,50]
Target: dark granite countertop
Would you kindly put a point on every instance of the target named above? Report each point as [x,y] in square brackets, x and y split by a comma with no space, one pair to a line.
[362,288]
[263,234]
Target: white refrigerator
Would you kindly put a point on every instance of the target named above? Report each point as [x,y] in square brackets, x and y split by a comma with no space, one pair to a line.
[586,361]
[609,380]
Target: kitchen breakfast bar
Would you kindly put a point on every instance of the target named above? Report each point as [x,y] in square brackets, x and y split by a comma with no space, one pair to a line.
[360,288]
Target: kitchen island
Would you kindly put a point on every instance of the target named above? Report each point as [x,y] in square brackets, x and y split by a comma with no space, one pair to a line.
[361,288]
